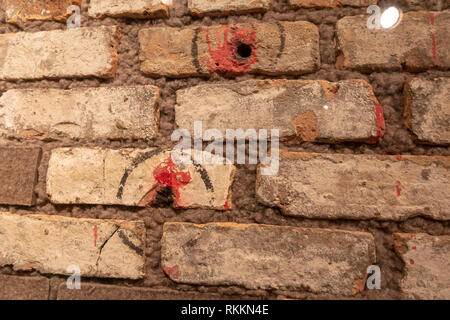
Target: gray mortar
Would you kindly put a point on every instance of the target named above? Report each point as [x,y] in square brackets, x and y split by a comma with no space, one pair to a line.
[388,88]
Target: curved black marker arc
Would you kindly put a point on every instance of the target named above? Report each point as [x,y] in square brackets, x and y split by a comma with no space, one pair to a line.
[194,51]
[136,162]
[205,177]
[282,40]
[129,244]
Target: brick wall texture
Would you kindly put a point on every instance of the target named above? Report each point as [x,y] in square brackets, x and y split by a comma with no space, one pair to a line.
[87,180]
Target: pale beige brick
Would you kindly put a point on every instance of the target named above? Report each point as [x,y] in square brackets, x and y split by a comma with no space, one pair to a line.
[226,7]
[23,10]
[314,111]
[427,110]
[368,50]
[427,264]
[267,257]
[334,186]
[129,9]
[81,113]
[263,48]
[50,244]
[133,177]
[75,53]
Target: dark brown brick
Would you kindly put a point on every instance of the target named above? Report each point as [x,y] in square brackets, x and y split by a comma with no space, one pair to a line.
[108,292]
[18,173]
[23,288]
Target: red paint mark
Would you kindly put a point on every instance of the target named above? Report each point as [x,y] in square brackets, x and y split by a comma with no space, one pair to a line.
[381,124]
[411,261]
[412,235]
[399,190]
[95,235]
[414,248]
[226,207]
[167,175]
[435,57]
[225,59]
[399,158]
[172,272]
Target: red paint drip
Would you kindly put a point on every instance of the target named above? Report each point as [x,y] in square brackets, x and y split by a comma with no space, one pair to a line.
[399,190]
[95,235]
[225,58]
[172,272]
[435,57]
[167,175]
[226,207]
[411,261]
[381,124]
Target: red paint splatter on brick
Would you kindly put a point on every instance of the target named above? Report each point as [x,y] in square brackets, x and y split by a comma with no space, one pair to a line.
[167,175]
[435,57]
[412,235]
[380,123]
[411,261]
[172,272]
[399,190]
[414,247]
[95,235]
[225,58]
[226,207]
[399,158]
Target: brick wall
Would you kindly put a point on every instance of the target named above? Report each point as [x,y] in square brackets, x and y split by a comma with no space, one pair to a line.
[86,118]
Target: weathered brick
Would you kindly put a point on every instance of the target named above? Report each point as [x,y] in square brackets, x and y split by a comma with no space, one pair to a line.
[226,7]
[109,292]
[91,113]
[331,3]
[23,288]
[74,53]
[427,265]
[315,111]
[267,257]
[133,177]
[392,49]
[427,110]
[50,244]
[128,9]
[263,48]
[24,10]
[18,172]
[335,186]
[425,5]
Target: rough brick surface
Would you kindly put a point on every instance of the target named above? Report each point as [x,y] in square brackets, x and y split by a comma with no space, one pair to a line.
[263,256]
[23,288]
[86,113]
[331,3]
[108,292]
[264,48]
[128,9]
[425,5]
[226,7]
[73,53]
[314,111]
[18,172]
[427,265]
[392,49]
[427,110]
[333,186]
[50,244]
[132,177]
[24,10]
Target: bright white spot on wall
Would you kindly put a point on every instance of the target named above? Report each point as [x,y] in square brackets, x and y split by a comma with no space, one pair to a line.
[390,17]
[325,107]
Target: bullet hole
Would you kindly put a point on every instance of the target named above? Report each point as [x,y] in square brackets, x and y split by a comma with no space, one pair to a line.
[164,198]
[244,50]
